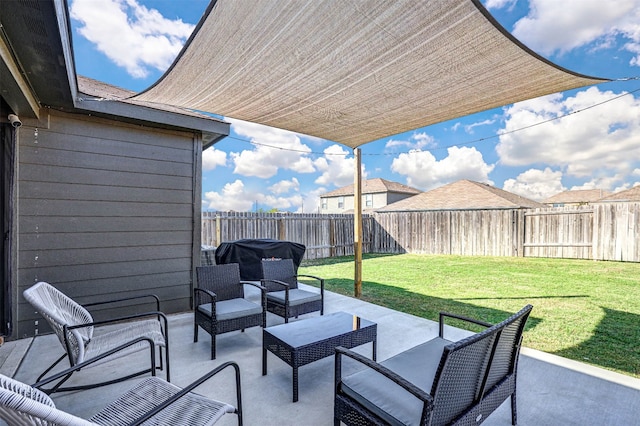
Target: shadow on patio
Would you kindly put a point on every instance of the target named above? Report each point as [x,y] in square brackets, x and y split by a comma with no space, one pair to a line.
[551,390]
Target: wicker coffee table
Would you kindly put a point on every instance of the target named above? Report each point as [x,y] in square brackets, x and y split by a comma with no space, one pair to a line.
[302,342]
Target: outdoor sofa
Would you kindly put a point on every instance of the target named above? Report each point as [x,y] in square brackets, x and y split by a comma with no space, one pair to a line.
[439,382]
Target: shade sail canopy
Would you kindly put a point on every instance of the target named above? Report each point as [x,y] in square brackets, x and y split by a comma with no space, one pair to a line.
[354,71]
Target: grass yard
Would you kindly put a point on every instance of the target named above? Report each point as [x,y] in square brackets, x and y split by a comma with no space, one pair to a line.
[583,310]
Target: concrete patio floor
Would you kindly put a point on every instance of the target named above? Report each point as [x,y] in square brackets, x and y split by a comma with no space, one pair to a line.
[551,390]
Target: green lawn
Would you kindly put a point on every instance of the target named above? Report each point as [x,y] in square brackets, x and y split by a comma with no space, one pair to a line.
[583,310]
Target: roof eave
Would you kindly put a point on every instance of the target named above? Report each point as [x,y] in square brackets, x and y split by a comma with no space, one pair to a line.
[212,130]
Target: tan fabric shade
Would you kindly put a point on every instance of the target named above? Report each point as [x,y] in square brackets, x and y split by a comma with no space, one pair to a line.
[354,71]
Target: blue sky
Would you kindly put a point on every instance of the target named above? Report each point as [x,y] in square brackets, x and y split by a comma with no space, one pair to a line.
[130,43]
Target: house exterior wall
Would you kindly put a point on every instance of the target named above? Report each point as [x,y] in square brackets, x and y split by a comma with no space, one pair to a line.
[333,204]
[379,200]
[392,197]
[106,210]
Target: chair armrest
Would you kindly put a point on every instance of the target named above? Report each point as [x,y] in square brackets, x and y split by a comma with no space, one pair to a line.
[315,278]
[397,379]
[263,292]
[255,284]
[202,296]
[192,386]
[311,276]
[285,285]
[67,373]
[114,320]
[142,296]
[462,318]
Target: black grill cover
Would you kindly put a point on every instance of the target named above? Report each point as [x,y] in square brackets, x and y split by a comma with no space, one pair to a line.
[250,252]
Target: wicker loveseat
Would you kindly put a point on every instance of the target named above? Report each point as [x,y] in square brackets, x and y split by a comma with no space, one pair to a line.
[439,382]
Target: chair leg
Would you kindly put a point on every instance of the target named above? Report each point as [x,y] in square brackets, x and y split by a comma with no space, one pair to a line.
[213,346]
[514,413]
[51,367]
[166,356]
[195,332]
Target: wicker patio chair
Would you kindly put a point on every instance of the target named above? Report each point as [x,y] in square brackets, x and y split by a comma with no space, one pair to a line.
[284,297]
[74,326]
[153,401]
[437,383]
[220,303]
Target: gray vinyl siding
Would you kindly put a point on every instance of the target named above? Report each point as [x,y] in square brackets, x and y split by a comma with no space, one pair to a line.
[392,197]
[106,210]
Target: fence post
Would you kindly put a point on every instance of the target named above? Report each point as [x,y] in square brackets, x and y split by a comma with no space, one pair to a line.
[282,230]
[332,236]
[218,231]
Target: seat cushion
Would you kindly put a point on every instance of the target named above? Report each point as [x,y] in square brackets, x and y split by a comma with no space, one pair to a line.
[388,400]
[296,296]
[232,308]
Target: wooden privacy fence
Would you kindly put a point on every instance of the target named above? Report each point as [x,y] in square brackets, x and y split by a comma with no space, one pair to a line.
[607,231]
[323,235]
[463,232]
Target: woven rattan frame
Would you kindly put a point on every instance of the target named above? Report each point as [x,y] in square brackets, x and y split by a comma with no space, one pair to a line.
[219,283]
[474,377]
[278,275]
[298,356]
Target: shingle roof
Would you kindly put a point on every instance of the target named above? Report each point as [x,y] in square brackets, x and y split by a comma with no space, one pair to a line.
[577,196]
[632,194]
[373,186]
[104,91]
[463,194]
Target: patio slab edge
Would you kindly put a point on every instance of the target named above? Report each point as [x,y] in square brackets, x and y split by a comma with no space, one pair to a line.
[581,367]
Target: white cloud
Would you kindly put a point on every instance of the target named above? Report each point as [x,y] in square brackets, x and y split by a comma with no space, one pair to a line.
[469,128]
[235,196]
[594,142]
[499,4]
[601,182]
[231,198]
[337,170]
[416,141]
[285,186]
[536,184]
[560,26]
[131,35]
[423,171]
[311,201]
[273,149]
[212,158]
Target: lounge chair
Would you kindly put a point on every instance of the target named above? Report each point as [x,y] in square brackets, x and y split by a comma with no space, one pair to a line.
[75,326]
[439,382]
[153,401]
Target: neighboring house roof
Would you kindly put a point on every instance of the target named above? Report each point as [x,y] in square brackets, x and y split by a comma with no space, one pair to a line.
[373,186]
[632,194]
[463,194]
[577,196]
